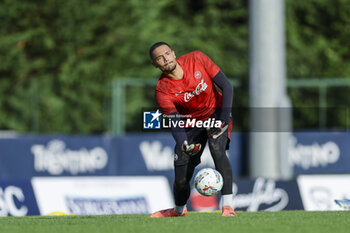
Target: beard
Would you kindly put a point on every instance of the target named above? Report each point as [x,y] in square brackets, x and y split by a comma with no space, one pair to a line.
[168,69]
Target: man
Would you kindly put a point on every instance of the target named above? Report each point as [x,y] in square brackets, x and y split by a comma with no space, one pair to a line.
[186,90]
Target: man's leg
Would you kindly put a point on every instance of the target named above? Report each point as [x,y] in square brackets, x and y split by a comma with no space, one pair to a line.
[183,173]
[222,164]
[182,188]
[184,166]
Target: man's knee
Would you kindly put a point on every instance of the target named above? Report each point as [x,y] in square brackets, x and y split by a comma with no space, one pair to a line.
[218,147]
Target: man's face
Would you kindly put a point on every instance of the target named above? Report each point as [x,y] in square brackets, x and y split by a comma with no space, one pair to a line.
[164,58]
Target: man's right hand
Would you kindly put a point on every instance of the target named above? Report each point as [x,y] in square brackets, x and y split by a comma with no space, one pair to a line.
[191,149]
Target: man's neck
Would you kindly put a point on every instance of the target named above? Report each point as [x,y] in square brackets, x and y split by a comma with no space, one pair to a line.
[176,74]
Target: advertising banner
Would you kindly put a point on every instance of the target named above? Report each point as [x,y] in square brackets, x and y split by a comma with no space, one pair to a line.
[320,152]
[54,156]
[153,154]
[17,199]
[319,192]
[102,195]
[145,154]
[254,195]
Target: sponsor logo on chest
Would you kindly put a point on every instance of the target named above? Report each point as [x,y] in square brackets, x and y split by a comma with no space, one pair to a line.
[188,95]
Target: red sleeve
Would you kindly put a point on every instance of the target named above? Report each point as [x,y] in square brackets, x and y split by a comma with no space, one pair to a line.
[164,102]
[211,68]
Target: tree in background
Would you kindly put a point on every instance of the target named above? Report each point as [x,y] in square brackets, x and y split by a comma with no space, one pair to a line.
[58,58]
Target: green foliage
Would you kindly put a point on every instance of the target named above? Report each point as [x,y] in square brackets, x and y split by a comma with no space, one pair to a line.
[317,47]
[58,58]
[318,34]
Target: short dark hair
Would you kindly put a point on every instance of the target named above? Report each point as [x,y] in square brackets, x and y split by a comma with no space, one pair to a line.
[156,45]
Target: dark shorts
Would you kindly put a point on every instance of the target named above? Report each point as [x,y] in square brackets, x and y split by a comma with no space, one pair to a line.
[200,135]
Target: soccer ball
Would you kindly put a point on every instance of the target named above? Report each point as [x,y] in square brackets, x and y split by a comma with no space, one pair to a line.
[208,182]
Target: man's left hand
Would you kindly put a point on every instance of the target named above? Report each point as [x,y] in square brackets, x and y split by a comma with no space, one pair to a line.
[217,132]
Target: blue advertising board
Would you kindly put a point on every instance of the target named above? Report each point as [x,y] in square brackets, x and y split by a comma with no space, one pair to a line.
[254,195]
[26,156]
[153,154]
[17,199]
[320,152]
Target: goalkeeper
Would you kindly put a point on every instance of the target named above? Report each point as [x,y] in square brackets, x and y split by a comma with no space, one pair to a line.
[186,89]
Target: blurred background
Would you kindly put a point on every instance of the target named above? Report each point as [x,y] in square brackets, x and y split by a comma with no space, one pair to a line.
[60,59]
[75,77]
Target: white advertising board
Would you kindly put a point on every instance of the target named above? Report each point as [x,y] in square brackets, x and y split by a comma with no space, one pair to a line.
[102,195]
[318,192]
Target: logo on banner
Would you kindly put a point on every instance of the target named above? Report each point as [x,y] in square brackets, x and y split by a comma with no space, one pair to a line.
[159,157]
[55,159]
[318,192]
[264,193]
[151,120]
[9,196]
[315,155]
[101,206]
[156,156]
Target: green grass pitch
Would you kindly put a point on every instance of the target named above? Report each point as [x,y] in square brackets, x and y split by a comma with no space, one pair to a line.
[255,222]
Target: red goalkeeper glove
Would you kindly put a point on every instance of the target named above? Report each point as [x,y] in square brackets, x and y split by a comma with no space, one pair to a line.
[191,149]
[218,131]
